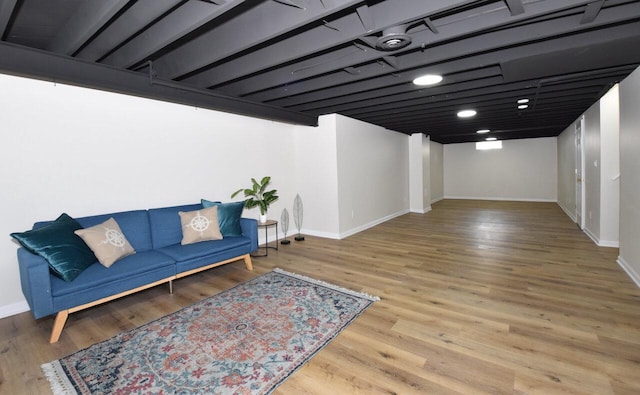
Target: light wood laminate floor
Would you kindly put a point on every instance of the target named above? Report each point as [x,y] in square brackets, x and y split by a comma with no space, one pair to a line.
[477,297]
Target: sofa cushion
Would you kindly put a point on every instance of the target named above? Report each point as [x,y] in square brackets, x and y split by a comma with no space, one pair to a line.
[106,241]
[97,281]
[166,228]
[133,224]
[67,255]
[228,216]
[190,251]
[200,225]
[194,256]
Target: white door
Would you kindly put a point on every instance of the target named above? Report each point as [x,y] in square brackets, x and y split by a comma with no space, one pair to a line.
[579,173]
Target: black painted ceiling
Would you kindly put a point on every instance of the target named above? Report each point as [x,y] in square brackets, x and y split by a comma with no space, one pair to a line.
[292,60]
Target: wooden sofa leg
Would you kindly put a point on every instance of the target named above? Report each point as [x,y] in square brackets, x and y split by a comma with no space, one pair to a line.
[247,261]
[58,324]
[171,287]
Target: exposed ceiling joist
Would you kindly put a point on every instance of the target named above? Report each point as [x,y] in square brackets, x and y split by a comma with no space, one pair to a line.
[293,3]
[365,17]
[510,50]
[6,10]
[476,90]
[515,7]
[141,13]
[591,12]
[431,25]
[87,20]
[352,70]
[328,3]
[392,61]
[314,40]
[460,73]
[268,20]
[184,20]
[346,57]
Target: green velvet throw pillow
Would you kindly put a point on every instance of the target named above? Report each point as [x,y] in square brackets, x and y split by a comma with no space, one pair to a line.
[65,252]
[228,216]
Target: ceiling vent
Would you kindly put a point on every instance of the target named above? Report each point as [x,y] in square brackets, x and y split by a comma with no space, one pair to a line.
[393,38]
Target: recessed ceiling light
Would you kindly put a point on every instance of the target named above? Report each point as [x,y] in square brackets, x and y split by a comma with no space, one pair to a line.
[523,106]
[428,79]
[523,101]
[483,131]
[491,139]
[466,113]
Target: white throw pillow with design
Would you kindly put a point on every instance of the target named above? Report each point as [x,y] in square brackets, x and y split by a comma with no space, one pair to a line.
[107,242]
[200,225]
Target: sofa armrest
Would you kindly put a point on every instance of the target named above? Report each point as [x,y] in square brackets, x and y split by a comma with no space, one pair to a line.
[250,230]
[36,283]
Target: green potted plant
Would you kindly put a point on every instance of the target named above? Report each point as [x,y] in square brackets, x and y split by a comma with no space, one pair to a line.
[258,196]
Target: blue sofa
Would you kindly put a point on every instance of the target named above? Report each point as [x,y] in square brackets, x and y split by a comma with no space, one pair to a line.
[155,234]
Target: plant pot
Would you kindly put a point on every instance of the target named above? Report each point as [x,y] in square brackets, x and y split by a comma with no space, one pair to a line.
[263,218]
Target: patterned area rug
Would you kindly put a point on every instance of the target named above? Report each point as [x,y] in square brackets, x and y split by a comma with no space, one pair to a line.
[246,340]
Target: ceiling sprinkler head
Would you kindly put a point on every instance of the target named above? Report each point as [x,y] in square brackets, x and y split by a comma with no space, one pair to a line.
[393,38]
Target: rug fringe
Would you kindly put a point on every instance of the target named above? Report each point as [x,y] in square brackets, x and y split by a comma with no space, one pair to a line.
[60,384]
[328,285]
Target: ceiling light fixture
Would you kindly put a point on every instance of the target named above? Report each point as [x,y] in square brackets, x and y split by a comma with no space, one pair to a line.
[393,38]
[491,138]
[428,79]
[483,131]
[523,106]
[466,113]
[523,101]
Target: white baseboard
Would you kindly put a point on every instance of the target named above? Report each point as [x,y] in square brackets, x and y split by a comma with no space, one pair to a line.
[13,309]
[506,199]
[371,224]
[609,243]
[635,276]
[436,200]
[591,235]
[601,243]
[424,211]
[326,235]
[338,236]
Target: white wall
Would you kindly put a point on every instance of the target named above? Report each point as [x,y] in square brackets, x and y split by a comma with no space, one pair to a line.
[373,174]
[84,152]
[567,171]
[316,167]
[610,168]
[436,154]
[426,174]
[419,173]
[629,257]
[415,173]
[522,170]
[591,175]
[601,168]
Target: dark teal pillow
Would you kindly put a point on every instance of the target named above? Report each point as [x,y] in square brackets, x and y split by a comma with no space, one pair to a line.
[228,216]
[65,252]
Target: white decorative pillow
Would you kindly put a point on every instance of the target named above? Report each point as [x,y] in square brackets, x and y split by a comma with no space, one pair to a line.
[200,225]
[107,242]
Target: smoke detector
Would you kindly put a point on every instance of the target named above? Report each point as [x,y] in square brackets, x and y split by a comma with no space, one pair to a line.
[393,38]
